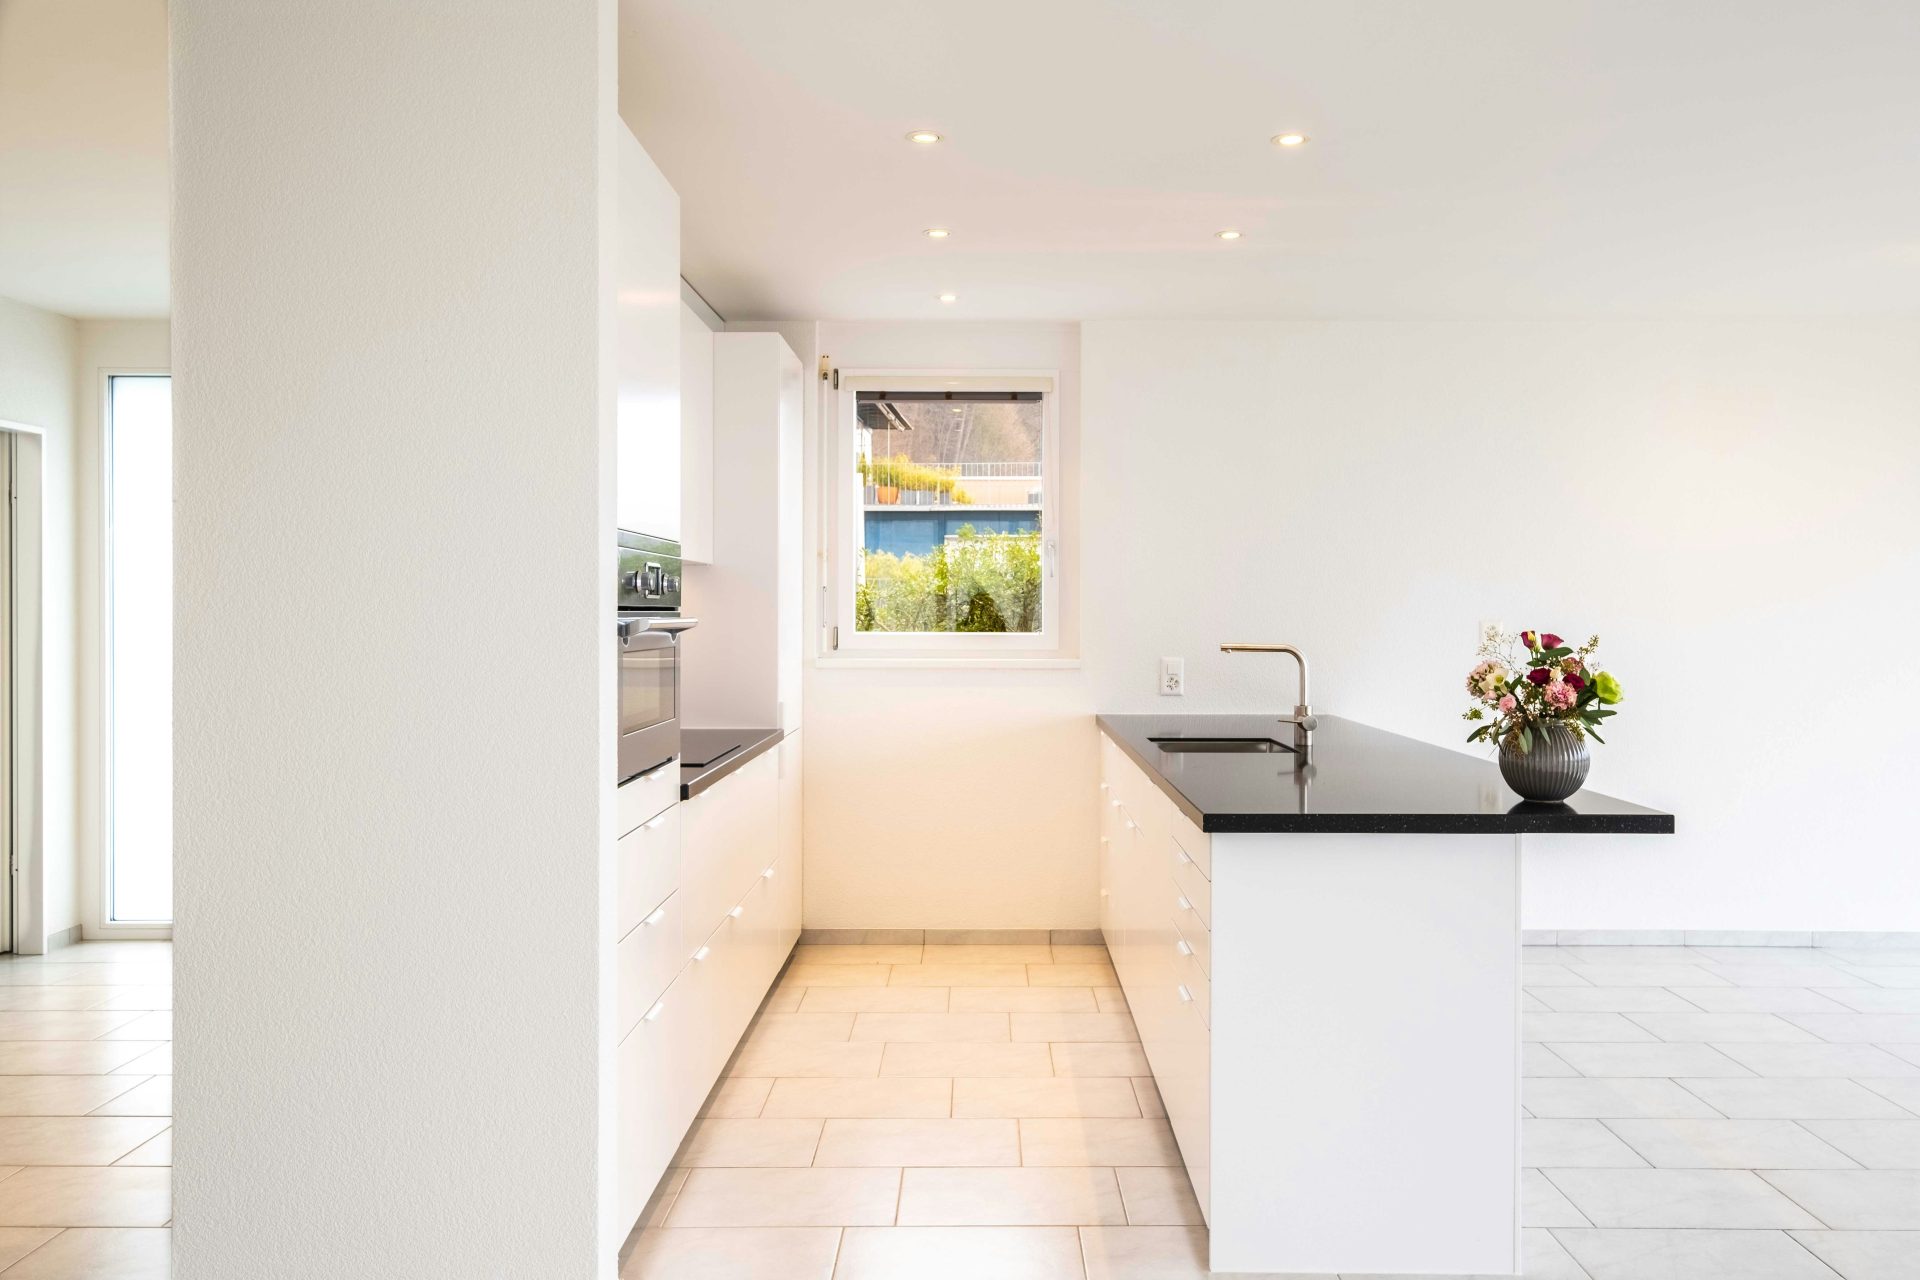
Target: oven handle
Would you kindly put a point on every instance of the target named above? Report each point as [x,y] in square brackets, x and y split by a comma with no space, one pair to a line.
[672,626]
[661,631]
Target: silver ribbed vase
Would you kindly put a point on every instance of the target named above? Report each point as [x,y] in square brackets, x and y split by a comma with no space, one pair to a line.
[1553,770]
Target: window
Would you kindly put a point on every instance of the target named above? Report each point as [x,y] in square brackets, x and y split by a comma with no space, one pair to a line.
[950,541]
[139,843]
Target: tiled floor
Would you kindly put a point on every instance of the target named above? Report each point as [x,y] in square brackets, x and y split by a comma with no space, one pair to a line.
[921,1112]
[85,1112]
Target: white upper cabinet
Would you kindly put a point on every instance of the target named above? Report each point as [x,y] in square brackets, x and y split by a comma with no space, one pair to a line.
[696,437]
[647,338]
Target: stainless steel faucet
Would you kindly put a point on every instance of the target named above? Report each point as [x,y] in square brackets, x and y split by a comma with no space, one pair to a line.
[1302,718]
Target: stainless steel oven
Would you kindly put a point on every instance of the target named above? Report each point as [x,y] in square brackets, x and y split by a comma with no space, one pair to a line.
[647,640]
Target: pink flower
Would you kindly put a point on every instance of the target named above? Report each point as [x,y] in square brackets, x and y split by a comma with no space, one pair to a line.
[1559,695]
[1549,641]
[1508,703]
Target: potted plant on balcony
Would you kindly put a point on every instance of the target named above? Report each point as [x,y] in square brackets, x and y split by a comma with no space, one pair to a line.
[1545,699]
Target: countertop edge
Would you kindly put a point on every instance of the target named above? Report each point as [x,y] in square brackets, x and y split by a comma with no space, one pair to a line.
[1546,820]
[694,781]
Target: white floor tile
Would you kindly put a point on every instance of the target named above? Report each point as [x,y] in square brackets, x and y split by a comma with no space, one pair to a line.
[786,1198]
[1729,1144]
[1816,1060]
[881,1098]
[1045,1097]
[874,1000]
[733,1253]
[1587,1026]
[1543,1205]
[960,1253]
[930,1028]
[1538,1060]
[1680,1198]
[1662,1060]
[1849,1200]
[771,1027]
[1872,1000]
[1794,1099]
[1875,1144]
[1147,1253]
[1606,1098]
[1867,1255]
[1574,1144]
[1544,1258]
[749,1144]
[1860,1028]
[1691,1255]
[978,1060]
[1158,1196]
[1093,1059]
[1761,999]
[1097,1141]
[1613,1000]
[900,1143]
[1702,1028]
[1024,1000]
[1010,1197]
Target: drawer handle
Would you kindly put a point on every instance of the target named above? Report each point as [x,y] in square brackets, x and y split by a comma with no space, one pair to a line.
[1132,825]
[1184,904]
[654,822]
[1114,803]
[653,1014]
[659,914]
[1180,855]
[1186,996]
[1105,787]
[737,912]
[767,874]
[703,953]
[1105,894]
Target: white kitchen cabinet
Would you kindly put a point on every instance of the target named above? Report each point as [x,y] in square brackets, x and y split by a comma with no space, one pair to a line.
[696,437]
[647,344]
[711,949]
[741,669]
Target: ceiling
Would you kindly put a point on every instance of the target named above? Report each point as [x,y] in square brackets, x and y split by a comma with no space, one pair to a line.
[83,155]
[1479,158]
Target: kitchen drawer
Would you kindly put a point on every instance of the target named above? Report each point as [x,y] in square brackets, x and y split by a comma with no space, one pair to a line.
[1195,988]
[645,962]
[649,862]
[1190,840]
[1194,932]
[639,799]
[656,1093]
[1194,886]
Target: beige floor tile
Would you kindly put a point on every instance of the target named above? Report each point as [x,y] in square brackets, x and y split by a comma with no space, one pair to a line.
[1093,1059]
[59,1095]
[749,1144]
[856,953]
[786,1198]
[151,1097]
[660,1203]
[1074,1026]
[17,1242]
[836,975]
[733,1253]
[68,1023]
[737,1097]
[958,975]
[148,1026]
[791,1058]
[25,998]
[69,1057]
[86,975]
[1110,1000]
[773,1027]
[930,1028]
[31,1140]
[157,1151]
[1064,953]
[897,1143]
[1090,1140]
[783,999]
[1149,1095]
[966,1060]
[157,1061]
[1023,1000]
[1144,1253]
[92,1253]
[1158,1196]
[960,1253]
[987,954]
[874,1000]
[1045,1097]
[1071,975]
[74,1197]
[895,1097]
[126,997]
[988,937]
[1009,1197]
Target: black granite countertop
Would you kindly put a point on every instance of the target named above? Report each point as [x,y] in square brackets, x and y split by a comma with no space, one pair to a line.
[708,755]
[1356,779]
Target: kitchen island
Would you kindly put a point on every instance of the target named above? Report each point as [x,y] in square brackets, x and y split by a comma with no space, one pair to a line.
[1322,954]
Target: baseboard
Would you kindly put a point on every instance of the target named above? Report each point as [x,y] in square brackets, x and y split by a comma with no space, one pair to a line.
[1859,939]
[65,938]
[951,937]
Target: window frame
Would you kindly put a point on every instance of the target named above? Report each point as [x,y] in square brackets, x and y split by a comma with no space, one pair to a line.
[846,532]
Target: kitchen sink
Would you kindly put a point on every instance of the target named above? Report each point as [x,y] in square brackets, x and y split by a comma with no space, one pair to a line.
[1220,746]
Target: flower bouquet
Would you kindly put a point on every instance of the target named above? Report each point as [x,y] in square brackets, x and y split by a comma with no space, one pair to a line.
[1540,700]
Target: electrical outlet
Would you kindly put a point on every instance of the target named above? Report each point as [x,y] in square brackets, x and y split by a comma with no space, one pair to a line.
[1173,677]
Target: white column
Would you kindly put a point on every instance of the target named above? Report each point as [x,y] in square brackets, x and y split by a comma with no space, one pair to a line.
[393,730]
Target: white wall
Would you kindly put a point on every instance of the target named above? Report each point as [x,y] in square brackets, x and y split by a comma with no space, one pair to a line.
[37,352]
[105,346]
[1728,505]
[394,736]
[950,797]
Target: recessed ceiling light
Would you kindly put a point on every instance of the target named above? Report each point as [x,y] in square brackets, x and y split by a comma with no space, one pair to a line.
[937,233]
[925,137]
[1289,139]
[949,297]
[1228,235]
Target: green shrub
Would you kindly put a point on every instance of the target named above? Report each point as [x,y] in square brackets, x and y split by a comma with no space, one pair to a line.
[978,582]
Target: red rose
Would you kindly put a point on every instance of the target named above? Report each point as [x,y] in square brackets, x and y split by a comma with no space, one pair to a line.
[1577,683]
[1549,641]
[1539,675]
[1531,639]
